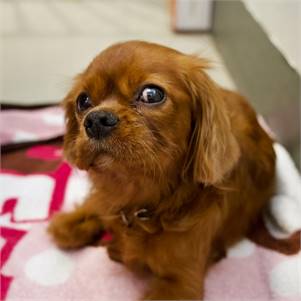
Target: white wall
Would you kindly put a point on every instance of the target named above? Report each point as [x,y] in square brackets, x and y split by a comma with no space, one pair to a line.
[281,19]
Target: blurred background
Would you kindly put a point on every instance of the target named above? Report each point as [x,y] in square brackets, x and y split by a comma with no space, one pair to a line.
[254,46]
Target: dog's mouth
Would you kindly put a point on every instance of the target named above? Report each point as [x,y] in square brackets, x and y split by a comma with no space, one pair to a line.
[101,154]
[114,152]
[131,147]
[102,161]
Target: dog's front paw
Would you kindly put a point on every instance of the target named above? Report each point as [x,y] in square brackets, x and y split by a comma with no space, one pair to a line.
[75,229]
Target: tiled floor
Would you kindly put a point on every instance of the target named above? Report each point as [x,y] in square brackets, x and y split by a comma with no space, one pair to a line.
[44,43]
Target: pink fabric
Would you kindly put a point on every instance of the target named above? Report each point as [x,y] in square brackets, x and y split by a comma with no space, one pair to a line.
[94,276]
[44,152]
[18,126]
[34,269]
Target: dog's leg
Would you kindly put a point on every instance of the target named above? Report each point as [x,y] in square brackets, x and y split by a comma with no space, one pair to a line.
[185,284]
[177,276]
[77,228]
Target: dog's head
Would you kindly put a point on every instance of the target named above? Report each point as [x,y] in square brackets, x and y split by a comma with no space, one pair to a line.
[152,110]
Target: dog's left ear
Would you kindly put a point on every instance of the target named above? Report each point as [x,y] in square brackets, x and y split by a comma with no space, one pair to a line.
[213,149]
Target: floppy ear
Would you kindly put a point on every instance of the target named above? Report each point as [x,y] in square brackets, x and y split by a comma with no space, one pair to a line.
[213,149]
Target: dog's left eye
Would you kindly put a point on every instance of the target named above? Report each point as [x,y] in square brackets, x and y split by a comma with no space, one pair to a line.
[152,94]
[83,102]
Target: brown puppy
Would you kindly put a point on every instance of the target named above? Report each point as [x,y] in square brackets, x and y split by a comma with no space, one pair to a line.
[180,167]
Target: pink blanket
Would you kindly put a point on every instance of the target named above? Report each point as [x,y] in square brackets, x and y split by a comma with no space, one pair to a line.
[35,182]
[19,126]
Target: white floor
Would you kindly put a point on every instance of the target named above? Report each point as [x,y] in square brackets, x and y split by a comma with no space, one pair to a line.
[44,43]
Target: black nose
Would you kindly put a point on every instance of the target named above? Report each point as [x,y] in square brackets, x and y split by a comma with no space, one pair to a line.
[100,124]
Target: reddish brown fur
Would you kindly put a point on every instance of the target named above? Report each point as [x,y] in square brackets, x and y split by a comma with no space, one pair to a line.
[200,161]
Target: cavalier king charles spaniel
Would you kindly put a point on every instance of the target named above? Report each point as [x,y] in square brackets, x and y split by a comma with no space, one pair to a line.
[180,168]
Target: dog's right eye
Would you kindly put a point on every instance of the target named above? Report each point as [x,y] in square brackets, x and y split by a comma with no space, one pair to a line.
[83,102]
[152,94]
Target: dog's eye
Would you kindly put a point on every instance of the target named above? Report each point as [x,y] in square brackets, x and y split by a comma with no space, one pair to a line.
[152,94]
[83,102]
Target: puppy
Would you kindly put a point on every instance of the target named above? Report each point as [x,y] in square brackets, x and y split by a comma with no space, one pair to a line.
[180,167]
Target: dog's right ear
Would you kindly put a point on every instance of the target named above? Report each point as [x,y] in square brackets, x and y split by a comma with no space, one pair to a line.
[213,149]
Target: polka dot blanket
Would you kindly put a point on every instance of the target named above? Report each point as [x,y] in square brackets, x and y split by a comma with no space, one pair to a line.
[36,182]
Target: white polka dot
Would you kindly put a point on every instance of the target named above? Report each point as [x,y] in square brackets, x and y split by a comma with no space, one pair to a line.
[274,229]
[50,267]
[285,278]
[243,248]
[21,136]
[78,187]
[54,119]
[286,210]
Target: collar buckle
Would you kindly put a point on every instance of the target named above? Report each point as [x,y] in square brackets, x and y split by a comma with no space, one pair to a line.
[142,214]
[125,219]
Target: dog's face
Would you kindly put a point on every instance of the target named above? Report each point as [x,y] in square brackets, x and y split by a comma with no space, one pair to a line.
[150,109]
